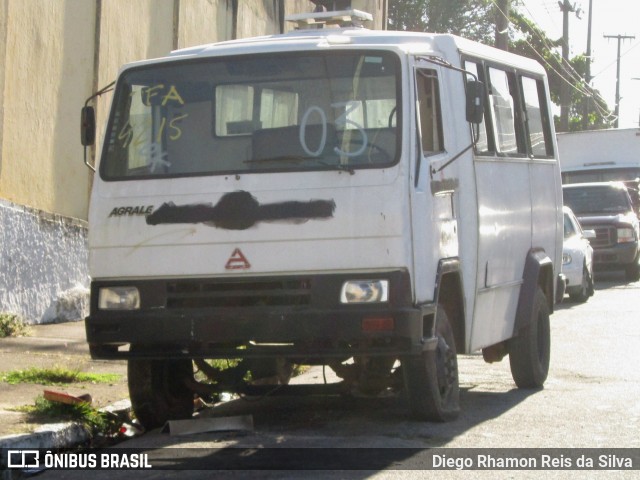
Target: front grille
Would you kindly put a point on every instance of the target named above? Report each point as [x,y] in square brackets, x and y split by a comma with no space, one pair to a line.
[605,258]
[215,293]
[605,236]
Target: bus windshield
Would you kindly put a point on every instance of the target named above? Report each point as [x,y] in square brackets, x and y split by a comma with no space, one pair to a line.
[268,113]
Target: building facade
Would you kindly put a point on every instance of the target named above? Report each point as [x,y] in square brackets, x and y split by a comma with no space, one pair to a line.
[54,54]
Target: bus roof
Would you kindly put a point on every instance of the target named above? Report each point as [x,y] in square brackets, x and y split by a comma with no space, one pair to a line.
[449,46]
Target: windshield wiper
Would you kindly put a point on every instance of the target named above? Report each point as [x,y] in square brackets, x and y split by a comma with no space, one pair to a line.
[300,159]
[281,158]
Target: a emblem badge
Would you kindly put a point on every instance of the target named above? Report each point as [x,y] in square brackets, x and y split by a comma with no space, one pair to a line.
[237,261]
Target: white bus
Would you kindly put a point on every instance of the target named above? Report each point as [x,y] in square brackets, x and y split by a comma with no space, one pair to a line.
[376,202]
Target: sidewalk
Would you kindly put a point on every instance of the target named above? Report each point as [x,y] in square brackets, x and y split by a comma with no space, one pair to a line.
[52,345]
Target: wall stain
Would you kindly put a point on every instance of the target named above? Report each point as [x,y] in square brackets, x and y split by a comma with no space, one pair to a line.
[239,211]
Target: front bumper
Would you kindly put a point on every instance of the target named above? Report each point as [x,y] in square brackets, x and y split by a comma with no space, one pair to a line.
[617,256]
[573,273]
[261,317]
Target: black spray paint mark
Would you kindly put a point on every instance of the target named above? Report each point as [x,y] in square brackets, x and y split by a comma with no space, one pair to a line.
[240,210]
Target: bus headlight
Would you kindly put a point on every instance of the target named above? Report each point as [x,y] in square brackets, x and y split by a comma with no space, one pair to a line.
[119,298]
[566,259]
[365,291]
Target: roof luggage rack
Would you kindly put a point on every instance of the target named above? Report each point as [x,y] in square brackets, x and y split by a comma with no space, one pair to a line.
[343,18]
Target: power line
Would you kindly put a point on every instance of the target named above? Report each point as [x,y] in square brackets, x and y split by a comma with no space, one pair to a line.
[575,76]
[604,69]
[583,89]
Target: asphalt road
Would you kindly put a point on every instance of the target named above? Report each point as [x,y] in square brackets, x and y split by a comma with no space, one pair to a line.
[590,400]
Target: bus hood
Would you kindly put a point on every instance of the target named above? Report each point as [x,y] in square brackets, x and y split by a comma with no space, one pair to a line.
[614,219]
[248,233]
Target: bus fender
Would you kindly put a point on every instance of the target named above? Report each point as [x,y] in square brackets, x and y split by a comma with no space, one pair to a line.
[449,293]
[538,272]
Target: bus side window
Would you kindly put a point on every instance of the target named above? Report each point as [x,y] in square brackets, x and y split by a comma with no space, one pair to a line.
[482,142]
[429,111]
[508,125]
[537,117]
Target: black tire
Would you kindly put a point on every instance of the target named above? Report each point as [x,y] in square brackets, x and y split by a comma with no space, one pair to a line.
[158,392]
[431,379]
[582,293]
[530,350]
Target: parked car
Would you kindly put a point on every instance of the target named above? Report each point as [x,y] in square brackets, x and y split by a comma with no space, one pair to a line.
[577,258]
[606,208]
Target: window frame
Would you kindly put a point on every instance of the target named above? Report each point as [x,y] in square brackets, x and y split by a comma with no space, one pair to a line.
[110,173]
[521,122]
[545,117]
[516,110]
[487,118]
[436,110]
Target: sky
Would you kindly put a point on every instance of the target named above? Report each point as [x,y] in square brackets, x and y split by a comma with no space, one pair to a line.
[610,17]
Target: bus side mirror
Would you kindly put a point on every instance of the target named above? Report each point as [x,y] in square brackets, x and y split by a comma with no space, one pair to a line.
[475,101]
[87,126]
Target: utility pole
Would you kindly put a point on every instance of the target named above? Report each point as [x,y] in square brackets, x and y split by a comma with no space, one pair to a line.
[565,88]
[502,24]
[617,110]
[587,72]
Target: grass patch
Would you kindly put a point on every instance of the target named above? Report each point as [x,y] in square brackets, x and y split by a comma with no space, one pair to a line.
[57,376]
[43,411]
[12,325]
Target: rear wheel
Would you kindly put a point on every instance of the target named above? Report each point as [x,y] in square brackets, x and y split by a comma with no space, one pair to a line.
[582,293]
[431,379]
[158,392]
[530,350]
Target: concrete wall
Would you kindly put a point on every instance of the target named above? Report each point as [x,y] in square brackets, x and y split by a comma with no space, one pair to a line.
[128,31]
[204,21]
[48,47]
[3,62]
[43,256]
[54,54]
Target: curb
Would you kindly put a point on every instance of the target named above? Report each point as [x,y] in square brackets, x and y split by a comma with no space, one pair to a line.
[59,435]
[52,435]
